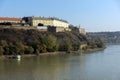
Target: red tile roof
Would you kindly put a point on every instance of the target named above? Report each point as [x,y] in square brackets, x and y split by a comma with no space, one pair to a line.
[10,19]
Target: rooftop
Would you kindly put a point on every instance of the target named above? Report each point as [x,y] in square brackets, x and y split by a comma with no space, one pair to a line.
[51,18]
[10,19]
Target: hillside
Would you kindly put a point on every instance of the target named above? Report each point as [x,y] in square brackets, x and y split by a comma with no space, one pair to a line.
[32,41]
[108,37]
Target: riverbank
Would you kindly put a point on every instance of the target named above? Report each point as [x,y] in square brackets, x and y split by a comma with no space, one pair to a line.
[32,55]
[94,50]
[56,53]
[42,54]
[86,51]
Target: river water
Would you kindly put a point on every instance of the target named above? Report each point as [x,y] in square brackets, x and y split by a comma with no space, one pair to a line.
[101,65]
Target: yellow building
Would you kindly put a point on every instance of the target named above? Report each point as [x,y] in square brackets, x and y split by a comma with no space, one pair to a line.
[60,25]
[82,31]
[78,29]
[54,22]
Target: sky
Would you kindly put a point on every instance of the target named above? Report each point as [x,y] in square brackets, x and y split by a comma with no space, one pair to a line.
[93,15]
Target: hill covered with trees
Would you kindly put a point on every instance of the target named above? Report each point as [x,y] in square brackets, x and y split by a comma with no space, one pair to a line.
[108,37]
[32,41]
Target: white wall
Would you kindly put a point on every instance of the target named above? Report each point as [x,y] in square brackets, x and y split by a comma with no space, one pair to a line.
[49,22]
[60,24]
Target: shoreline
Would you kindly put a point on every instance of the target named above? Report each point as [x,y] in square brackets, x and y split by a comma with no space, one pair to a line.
[55,53]
[87,51]
[94,50]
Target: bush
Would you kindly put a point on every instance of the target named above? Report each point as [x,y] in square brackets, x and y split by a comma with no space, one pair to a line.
[29,50]
[1,50]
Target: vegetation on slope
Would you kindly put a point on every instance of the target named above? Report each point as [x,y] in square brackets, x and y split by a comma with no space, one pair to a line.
[108,37]
[16,41]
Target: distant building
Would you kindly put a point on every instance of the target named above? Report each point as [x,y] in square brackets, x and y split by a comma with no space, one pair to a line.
[10,20]
[49,22]
[76,29]
[82,31]
[6,21]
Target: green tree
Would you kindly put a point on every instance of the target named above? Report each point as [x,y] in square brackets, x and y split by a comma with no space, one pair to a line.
[29,50]
[68,45]
[19,47]
[1,50]
[65,45]
[3,43]
[50,42]
[42,48]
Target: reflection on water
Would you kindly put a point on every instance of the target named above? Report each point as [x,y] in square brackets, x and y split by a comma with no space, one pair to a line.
[102,65]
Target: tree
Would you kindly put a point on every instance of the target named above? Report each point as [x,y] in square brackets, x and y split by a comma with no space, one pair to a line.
[65,45]
[50,42]
[68,45]
[3,43]
[42,48]
[1,50]
[29,50]
[19,47]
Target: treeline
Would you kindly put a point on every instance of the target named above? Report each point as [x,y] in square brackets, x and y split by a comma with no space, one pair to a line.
[16,41]
[108,37]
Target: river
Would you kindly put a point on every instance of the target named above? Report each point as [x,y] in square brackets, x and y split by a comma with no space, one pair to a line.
[101,65]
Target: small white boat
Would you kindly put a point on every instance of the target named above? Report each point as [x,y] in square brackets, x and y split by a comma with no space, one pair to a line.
[18,57]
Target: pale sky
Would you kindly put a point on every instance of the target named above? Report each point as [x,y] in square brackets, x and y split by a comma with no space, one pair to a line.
[93,15]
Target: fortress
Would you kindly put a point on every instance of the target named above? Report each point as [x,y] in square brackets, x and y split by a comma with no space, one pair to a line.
[49,23]
[36,21]
[53,24]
